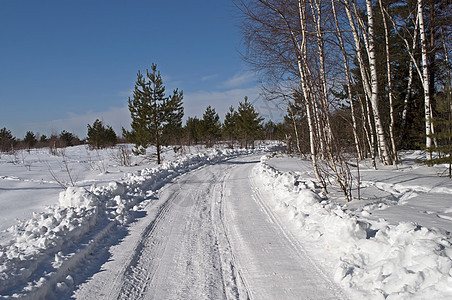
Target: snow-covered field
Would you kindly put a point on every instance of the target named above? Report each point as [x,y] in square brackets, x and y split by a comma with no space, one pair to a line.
[31,180]
[58,242]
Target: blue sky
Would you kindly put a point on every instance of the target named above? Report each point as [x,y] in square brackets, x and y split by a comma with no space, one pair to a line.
[65,63]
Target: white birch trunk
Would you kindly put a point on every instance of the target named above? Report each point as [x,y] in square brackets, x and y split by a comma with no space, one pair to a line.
[292,115]
[371,129]
[425,81]
[317,14]
[389,74]
[374,85]
[300,49]
[410,77]
[368,135]
[302,57]
[365,81]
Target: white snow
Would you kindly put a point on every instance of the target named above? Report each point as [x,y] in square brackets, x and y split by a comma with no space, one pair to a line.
[395,243]
[35,254]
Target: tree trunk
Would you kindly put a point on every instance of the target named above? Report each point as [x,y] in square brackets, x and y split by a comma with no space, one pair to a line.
[349,82]
[389,74]
[296,130]
[302,57]
[365,81]
[374,85]
[425,83]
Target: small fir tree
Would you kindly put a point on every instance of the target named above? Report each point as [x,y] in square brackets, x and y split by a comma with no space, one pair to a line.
[43,139]
[211,126]
[30,139]
[230,126]
[7,140]
[100,136]
[152,111]
[173,130]
[193,130]
[270,130]
[295,120]
[249,122]
[443,134]
[67,138]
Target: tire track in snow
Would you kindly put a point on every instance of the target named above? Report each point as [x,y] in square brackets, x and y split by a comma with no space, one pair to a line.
[272,262]
[141,268]
[237,287]
[180,254]
[297,246]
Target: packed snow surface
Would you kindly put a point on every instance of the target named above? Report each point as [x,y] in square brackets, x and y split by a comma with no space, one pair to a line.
[219,224]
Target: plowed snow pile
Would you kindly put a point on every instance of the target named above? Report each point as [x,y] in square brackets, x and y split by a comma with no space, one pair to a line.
[374,259]
[44,249]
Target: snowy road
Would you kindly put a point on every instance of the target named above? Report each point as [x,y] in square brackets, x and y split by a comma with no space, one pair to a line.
[210,235]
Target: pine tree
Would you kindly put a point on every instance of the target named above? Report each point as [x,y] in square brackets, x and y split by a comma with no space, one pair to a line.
[443,135]
[295,120]
[193,130]
[7,140]
[67,138]
[100,136]
[30,139]
[230,126]
[151,111]
[174,112]
[211,126]
[248,122]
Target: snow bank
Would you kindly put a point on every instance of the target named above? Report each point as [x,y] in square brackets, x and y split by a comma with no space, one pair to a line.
[36,262]
[373,259]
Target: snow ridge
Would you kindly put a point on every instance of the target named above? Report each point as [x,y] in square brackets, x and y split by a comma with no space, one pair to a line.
[372,259]
[36,262]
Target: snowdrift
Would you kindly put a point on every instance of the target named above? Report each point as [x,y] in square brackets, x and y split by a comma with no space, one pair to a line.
[37,261]
[372,259]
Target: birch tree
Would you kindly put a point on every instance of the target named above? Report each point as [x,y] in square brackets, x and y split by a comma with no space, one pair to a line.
[349,9]
[383,148]
[425,81]
[389,75]
[348,79]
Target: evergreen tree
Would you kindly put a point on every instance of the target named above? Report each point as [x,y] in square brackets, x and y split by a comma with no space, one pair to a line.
[443,135]
[152,111]
[295,121]
[7,140]
[211,126]
[193,130]
[30,139]
[100,136]
[172,130]
[248,122]
[67,138]
[43,139]
[230,126]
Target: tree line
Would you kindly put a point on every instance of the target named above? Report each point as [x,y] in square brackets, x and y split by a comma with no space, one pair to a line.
[10,143]
[157,119]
